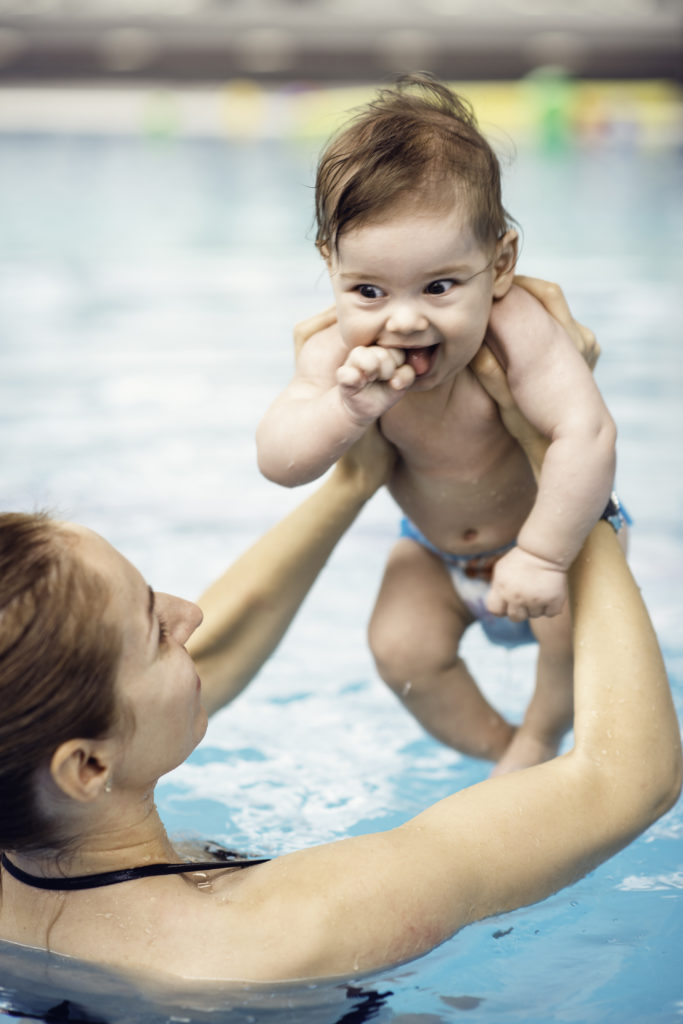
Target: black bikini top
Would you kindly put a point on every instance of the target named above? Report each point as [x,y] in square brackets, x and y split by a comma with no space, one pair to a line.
[229,860]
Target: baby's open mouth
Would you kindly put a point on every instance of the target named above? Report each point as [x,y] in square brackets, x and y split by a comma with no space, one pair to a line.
[421,359]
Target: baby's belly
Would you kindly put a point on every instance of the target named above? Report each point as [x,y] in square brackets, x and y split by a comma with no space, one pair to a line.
[467,516]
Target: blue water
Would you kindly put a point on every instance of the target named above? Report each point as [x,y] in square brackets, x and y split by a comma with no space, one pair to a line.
[147,289]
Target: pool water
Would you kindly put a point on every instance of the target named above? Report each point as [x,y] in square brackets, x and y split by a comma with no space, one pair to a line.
[147,291]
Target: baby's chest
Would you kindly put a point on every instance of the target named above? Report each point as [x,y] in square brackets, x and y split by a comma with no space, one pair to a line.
[456,440]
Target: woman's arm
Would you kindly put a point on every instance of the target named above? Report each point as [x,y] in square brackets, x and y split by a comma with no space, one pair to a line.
[495,847]
[249,608]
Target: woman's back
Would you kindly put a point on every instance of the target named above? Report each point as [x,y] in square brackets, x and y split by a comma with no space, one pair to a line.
[210,925]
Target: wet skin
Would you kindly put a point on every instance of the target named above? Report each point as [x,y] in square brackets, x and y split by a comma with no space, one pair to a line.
[421,284]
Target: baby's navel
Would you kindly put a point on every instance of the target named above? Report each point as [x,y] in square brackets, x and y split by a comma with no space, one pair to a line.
[470,534]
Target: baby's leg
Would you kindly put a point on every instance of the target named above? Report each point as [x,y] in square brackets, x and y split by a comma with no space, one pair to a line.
[550,711]
[414,634]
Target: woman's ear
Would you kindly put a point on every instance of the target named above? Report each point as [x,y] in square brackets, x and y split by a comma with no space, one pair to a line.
[81,768]
[504,263]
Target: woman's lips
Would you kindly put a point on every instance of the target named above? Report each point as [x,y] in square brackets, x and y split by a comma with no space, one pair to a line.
[421,359]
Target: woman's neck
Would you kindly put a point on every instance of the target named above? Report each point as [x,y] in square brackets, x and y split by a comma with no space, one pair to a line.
[128,840]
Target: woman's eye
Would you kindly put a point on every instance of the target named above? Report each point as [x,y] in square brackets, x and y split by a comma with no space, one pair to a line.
[369,291]
[163,630]
[440,287]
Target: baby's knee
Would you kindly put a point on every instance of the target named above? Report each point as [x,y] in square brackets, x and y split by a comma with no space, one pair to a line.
[402,659]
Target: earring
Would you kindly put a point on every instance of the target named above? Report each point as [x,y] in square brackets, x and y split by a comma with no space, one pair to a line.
[108,785]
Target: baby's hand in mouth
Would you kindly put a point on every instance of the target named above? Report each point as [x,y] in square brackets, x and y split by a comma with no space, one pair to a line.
[420,358]
[374,364]
[372,380]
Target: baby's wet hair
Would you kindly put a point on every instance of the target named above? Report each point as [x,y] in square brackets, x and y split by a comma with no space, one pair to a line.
[417,142]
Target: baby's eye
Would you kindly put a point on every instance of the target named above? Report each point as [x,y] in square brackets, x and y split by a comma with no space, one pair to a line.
[441,286]
[369,291]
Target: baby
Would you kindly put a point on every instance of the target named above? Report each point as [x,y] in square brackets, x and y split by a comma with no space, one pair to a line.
[421,256]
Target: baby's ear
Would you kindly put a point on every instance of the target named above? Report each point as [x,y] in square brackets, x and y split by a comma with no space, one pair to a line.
[504,263]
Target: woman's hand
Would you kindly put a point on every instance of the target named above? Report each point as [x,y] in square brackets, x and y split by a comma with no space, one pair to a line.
[313,325]
[491,376]
[369,461]
[552,298]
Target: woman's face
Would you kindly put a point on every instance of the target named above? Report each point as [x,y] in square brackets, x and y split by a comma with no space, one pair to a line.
[156,680]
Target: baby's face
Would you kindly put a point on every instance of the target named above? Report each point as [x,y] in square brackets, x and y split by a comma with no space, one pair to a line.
[417,280]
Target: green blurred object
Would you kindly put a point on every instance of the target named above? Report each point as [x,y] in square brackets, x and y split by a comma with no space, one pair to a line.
[551,94]
[161,117]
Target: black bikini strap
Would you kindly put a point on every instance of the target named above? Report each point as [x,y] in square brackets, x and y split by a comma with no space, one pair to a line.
[124,875]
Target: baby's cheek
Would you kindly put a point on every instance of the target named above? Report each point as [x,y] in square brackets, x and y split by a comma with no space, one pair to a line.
[355,331]
[344,321]
[469,342]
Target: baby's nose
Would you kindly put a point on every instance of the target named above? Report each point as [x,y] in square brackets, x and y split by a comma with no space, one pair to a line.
[406,318]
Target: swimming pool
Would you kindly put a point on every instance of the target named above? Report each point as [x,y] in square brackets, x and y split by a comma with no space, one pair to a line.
[147,288]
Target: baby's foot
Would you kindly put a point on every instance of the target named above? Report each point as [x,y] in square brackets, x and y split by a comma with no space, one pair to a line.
[524,751]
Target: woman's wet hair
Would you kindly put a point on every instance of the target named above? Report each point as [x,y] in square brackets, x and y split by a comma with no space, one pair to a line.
[58,665]
[416,142]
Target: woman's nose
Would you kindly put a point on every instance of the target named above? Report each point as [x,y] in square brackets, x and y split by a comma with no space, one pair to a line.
[406,318]
[182,616]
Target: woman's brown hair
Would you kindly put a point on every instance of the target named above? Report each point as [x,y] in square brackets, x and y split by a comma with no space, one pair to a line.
[417,140]
[58,664]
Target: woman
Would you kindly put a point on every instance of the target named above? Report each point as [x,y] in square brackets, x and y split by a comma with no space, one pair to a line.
[100,697]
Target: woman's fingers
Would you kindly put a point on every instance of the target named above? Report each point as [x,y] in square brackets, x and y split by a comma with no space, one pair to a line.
[551,296]
[492,377]
[312,325]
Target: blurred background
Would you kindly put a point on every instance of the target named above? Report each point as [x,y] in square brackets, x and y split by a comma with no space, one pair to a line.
[327,40]
[212,67]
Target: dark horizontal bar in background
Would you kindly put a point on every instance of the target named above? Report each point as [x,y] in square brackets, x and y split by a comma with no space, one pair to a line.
[350,50]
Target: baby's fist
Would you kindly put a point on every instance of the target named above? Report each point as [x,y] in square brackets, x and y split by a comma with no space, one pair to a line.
[525,586]
[372,380]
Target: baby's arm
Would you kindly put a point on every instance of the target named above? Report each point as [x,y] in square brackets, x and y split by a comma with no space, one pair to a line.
[557,393]
[330,402]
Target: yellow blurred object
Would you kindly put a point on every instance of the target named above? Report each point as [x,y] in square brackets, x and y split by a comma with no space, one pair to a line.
[547,108]
[243,108]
